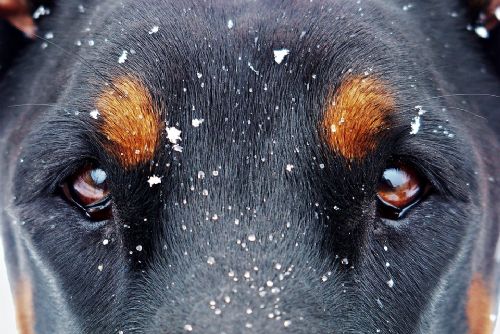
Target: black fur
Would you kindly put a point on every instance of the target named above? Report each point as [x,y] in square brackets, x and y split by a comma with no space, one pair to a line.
[255,124]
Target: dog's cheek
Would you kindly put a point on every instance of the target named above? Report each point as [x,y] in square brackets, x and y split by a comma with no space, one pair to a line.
[479,306]
[24,306]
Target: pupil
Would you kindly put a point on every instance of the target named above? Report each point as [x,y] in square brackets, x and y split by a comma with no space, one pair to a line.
[98,176]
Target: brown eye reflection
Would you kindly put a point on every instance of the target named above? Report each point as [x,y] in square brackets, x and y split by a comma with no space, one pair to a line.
[400,187]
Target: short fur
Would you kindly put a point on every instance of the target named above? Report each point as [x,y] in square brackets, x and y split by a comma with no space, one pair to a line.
[356,115]
[258,225]
[129,121]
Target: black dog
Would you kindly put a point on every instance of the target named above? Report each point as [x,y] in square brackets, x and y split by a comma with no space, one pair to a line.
[250,167]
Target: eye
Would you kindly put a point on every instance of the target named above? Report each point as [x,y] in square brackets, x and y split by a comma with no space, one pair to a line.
[88,189]
[400,187]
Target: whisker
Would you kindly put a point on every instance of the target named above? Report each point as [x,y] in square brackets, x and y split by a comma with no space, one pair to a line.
[417,102]
[452,95]
[32,105]
[461,109]
[85,62]
[468,112]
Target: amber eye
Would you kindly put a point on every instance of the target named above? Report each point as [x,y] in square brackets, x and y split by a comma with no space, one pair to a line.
[400,187]
[88,190]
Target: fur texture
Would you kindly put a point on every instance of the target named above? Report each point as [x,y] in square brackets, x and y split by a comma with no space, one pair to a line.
[285,236]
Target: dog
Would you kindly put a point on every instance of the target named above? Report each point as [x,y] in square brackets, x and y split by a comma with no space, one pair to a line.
[250,166]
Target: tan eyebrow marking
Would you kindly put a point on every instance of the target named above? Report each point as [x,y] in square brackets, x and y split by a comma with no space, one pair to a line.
[17,12]
[355,114]
[130,121]
[25,317]
[479,306]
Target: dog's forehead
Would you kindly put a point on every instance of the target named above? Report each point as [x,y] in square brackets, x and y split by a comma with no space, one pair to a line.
[178,39]
[270,68]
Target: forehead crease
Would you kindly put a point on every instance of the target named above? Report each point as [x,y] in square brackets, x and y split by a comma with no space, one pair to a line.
[355,114]
[130,122]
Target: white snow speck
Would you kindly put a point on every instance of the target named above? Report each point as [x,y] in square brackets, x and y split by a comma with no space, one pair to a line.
[177,148]
[100,267]
[188,328]
[230,24]
[105,242]
[279,55]
[421,110]
[139,248]
[482,32]
[252,68]
[152,180]
[94,113]
[252,237]
[407,7]
[345,261]
[154,30]
[49,35]
[173,134]
[287,323]
[289,167]
[415,125]
[211,260]
[41,11]
[497,13]
[123,57]
[196,122]
[390,283]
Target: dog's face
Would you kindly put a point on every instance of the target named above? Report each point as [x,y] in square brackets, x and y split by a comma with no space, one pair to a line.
[301,167]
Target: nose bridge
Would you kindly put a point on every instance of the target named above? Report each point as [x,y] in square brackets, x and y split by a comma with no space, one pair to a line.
[256,297]
[241,256]
[255,283]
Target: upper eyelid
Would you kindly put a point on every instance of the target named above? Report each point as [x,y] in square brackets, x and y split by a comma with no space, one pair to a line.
[435,175]
[436,160]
